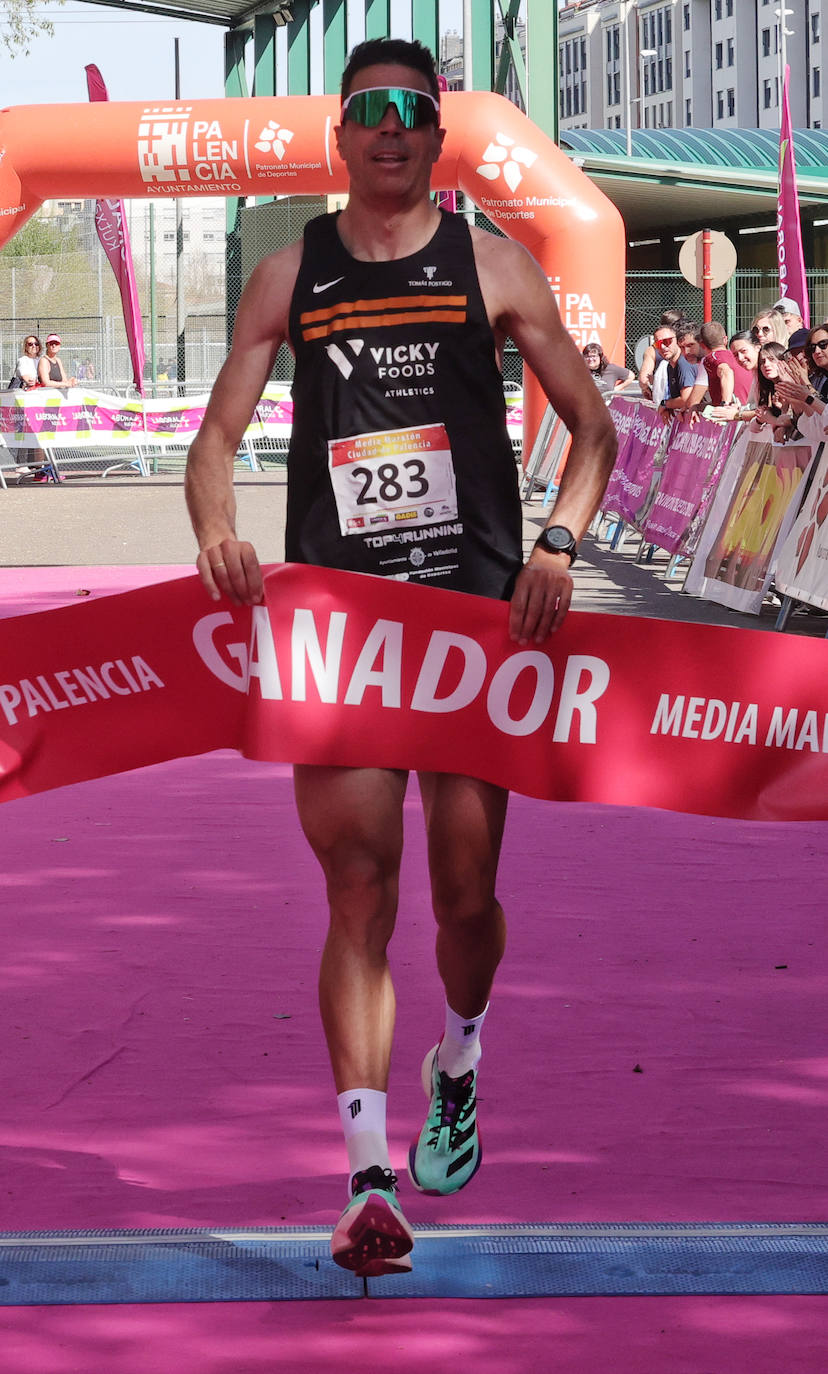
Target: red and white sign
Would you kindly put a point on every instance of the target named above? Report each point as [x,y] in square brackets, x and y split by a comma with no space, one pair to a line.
[345,669]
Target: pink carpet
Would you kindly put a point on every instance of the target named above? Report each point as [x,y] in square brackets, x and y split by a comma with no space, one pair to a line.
[656,1051]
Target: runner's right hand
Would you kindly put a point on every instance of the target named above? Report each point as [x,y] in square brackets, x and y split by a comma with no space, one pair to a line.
[232,569]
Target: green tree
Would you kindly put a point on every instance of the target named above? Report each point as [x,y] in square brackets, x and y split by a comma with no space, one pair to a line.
[22,23]
[38,237]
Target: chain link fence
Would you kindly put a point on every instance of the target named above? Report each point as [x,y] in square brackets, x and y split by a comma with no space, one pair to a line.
[71,290]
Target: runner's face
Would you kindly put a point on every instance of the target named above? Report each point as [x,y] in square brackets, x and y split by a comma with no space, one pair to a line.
[389,161]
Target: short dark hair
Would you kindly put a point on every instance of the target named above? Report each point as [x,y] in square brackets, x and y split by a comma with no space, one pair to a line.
[376,51]
[685,329]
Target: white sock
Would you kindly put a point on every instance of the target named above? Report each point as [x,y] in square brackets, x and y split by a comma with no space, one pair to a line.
[460,1046]
[362,1113]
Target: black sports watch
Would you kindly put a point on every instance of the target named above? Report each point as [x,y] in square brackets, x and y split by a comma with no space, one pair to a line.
[558,539]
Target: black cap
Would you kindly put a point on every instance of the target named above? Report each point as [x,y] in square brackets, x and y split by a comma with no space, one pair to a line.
[799,338]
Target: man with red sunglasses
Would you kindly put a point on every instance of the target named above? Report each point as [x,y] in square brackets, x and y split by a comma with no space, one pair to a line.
[396,312]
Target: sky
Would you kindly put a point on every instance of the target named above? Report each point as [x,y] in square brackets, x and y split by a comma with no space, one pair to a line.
[134,53]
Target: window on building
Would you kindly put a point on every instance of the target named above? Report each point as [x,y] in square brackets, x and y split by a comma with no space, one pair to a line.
[719,56]
[688,113]
[668,73]
[583,55]
[814,28]
[647,80]
[766,43]
[568,107]
[731,56]
[686,17]
[729,8]
[616,44]
[646,119]
[609,88]
[609,45]
[717,9]
[668,26]
[720,104]
[766,94]
[731,102]
[816,81]
[660,28]
[687,63]
[616,88]
[660,75]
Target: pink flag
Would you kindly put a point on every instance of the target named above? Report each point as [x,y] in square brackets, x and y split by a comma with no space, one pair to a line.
[792,280]
[110,223]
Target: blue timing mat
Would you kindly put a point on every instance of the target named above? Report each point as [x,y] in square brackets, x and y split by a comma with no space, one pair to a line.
[291,1264]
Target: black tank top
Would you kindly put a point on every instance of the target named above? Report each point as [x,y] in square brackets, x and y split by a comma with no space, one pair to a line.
[399,461]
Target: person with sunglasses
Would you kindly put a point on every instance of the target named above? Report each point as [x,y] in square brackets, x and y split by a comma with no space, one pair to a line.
[25,378]
[769,327]
[396,312]
[25,372]
[807,392]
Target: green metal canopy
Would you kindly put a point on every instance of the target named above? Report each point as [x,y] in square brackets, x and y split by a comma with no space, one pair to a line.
[754,149]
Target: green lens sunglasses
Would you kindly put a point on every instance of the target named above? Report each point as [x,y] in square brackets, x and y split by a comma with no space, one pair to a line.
[368,108]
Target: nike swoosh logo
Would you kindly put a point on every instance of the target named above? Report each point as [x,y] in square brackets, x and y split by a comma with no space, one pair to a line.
[323,286]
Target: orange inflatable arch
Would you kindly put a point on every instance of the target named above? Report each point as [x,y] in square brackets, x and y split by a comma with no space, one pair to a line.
[284,146]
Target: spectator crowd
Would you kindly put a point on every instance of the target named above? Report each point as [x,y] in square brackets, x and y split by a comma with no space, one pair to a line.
[774,374]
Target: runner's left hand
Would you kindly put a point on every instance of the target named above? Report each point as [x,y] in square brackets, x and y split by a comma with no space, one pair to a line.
[541,598]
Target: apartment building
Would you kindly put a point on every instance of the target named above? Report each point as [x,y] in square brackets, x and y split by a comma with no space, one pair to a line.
[706,64]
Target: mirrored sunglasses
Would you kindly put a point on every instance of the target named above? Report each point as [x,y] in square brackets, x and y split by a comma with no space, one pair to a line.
[368,108]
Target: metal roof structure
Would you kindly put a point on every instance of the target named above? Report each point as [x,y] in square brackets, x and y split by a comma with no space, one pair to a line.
[723,175]
[229,14]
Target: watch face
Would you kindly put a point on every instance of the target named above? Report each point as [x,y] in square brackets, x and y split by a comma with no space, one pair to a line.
[557,537]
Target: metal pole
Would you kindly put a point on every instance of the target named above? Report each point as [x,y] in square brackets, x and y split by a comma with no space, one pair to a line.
[153,301]
[180,313]
[707,287]
[468,47]
[627,92]
[468,80]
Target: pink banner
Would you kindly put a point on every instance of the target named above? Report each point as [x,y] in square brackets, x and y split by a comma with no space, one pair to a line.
[345,669]
[792,279]
[695,458]
[630,487]
[114,236]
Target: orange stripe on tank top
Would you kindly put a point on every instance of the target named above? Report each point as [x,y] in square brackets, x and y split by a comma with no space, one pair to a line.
[387,303]
[376,321]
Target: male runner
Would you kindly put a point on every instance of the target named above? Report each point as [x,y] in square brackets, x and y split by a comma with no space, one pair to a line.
[396,313]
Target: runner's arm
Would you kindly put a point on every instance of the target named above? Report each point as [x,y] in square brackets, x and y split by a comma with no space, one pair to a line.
[517,292]
[229,566]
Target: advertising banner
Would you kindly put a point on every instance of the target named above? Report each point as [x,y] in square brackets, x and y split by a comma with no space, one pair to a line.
[802,565]
[793,282]
[111,227]
[754,508]
[80,419]
[345,669]
[631,485]
[688,478]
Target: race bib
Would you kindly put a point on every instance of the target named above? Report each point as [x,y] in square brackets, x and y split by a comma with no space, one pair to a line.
[394,478]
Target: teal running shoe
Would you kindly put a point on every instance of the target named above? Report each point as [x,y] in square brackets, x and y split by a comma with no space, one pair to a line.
[372,1237]
[447,1153]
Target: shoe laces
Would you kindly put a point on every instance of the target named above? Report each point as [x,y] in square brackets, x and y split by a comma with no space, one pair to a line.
[374,1177]
[456,1099]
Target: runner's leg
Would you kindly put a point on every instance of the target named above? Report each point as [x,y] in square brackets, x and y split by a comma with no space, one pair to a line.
[464,823]
[353,821]
[352,818]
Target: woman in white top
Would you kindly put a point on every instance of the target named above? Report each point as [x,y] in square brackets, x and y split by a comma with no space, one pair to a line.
[26,370]
[26,376]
